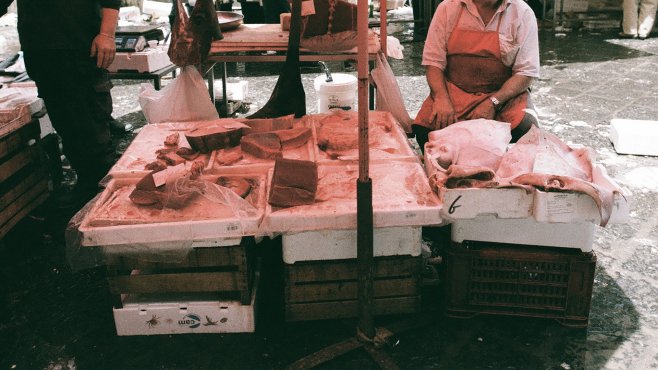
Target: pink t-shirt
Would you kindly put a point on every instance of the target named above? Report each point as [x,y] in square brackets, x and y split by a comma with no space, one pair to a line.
[519,44]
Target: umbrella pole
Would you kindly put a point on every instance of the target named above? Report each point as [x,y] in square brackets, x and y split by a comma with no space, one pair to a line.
[366,327]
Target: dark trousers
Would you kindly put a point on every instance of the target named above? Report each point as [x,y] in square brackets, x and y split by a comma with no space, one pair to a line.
[77,97]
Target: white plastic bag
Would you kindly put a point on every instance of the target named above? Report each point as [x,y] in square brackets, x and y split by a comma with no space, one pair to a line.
[389,97]
[186,98]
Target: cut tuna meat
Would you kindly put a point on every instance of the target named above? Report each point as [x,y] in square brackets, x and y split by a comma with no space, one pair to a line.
[171,158]
[265,145]
[293,138]
[187,153]
[227,157]
[156,166]
[172,140]
[294,183]
[239,185]
[207,139]
[268,124]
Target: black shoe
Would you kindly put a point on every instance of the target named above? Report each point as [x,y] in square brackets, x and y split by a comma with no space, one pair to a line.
[117,127]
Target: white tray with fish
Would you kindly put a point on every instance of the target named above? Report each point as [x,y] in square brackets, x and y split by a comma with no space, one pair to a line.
[401,196]
[337,134]
[543,206]
[143,149]
[239,158]
[211,214]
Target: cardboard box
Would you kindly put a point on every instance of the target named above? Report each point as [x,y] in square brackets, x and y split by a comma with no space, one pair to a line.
[185,314]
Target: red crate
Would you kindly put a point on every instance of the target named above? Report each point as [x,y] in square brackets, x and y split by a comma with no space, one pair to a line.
[519,280]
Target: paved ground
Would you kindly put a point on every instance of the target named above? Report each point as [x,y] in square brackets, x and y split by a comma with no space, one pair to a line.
[55,318]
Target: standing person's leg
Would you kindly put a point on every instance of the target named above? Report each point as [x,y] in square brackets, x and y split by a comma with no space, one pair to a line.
[629,23]
[647,17]
[103,104]
[65,81]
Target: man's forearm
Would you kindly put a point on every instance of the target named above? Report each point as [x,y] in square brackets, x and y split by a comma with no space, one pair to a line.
[514,86]
[437,83]
[109,21]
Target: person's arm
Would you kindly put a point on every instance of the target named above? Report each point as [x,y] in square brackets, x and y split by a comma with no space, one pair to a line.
[514,86]
[443,113]
[103,46]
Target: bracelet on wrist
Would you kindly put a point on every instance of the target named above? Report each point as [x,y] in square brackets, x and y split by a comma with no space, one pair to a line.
[106,35]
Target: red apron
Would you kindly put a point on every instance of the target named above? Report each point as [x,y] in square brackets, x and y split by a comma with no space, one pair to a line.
[474,71]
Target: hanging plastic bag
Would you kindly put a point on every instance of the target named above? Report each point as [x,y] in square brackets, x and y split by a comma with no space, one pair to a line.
[389,97]
[186,98]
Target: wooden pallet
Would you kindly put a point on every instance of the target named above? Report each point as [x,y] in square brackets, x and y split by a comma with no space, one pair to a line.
[328,289]
[227,270]
[23,178]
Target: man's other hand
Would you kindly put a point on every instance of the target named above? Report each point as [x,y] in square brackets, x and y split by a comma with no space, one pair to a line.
[104,49]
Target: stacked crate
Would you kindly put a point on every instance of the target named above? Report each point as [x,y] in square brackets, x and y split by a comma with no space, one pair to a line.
[23,174]
[211,290]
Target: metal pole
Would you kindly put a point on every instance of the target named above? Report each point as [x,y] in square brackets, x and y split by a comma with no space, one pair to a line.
[366,326]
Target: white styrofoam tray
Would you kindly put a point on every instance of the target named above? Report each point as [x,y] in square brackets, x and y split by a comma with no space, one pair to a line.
[383,145]
[141,150]
[115,221]
[148,60]
[633,136]
[525,231]
[185,314]
[341,244]
[401,196]
[464,203]
[305,152]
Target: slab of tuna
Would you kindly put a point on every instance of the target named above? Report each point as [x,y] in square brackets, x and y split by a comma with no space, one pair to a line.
[216,135]
[294,183]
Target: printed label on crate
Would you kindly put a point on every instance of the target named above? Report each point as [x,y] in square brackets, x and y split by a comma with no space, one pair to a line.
[560,204]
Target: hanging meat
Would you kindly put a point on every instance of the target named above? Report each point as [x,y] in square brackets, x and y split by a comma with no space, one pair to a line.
[191,36]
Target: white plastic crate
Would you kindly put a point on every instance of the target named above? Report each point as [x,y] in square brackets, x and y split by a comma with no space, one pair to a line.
[392,145]
[115,220]
[632,136]
[341,244]
[185,314]
[525,231]
[401,197]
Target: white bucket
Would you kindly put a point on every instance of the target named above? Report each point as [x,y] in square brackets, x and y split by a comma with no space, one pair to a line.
[339,93]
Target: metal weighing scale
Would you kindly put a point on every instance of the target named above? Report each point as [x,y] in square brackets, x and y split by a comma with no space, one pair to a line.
[135,38]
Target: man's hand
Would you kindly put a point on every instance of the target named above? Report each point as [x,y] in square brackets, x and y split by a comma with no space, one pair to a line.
[104,49]
[484,110]
[443,114]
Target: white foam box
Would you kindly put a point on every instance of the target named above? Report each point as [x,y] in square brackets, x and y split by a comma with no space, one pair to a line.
[305,152]
[148,60]
[384,145]
[185,314]
[632,136]
[141,150]
[525,231]
[401,196]
[115,221]
[235,91]
[543,206]
[341,244]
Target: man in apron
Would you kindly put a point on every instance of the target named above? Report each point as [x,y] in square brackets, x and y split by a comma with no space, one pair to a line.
[481,57]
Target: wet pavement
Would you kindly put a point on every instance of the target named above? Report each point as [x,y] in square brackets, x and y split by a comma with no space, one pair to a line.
[52,317]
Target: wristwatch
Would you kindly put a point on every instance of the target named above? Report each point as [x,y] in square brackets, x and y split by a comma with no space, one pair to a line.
[496,103]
